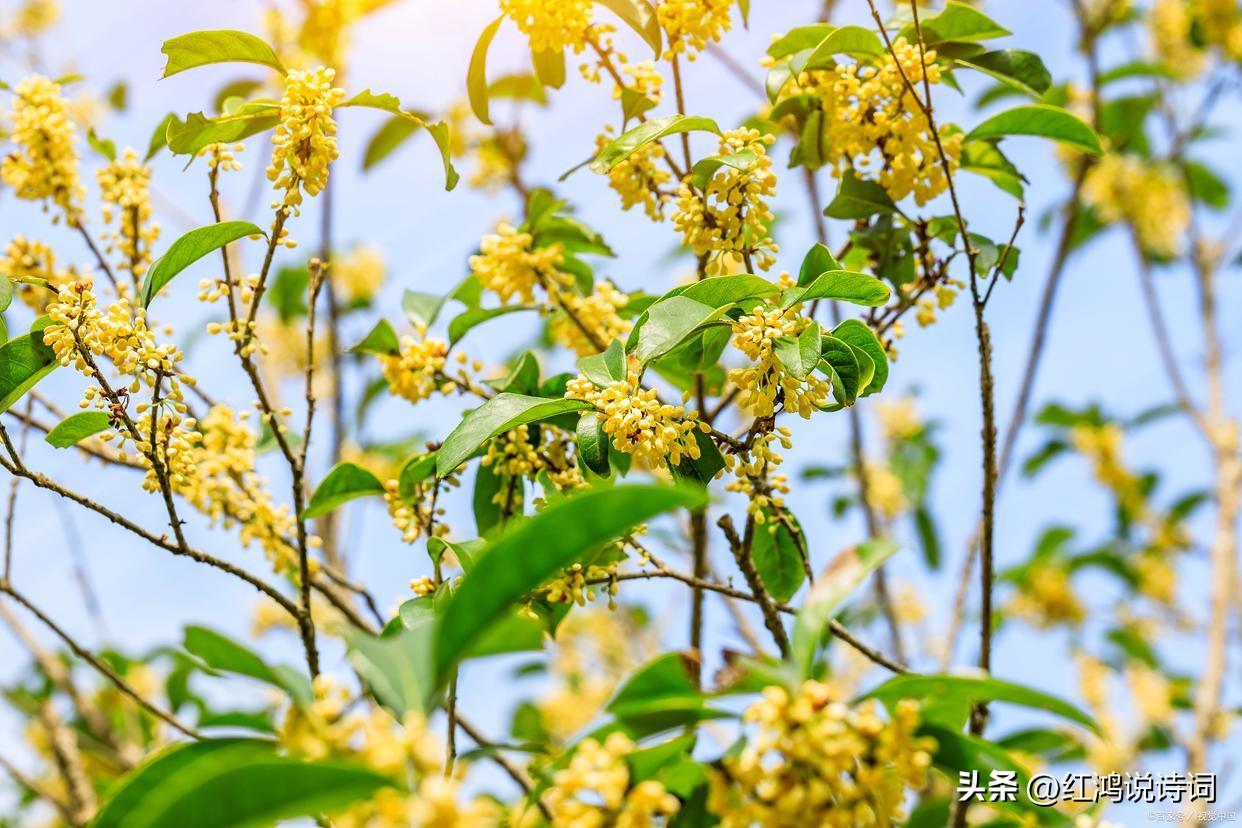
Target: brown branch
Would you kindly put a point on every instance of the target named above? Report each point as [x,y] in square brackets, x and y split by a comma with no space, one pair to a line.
[741,548]
[514,772]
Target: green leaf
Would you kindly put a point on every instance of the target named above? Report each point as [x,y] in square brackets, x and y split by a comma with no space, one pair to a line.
[626,144]
[476,75]
[159,138]
[593,443]
[416,470]
[858,198]
[1024,71]
[799,39]
[198,131]
[959,23]
[846,572]
[381,340]
[985,158]
[501,413]
[438,131]
[421,308]
[841,286]
[866,369]
[850,40]
[818,261]
[1206,186]
[77,427]
[530,552]
[461,324]
[344,483]
[857,333]
[222,653]
[723,291]
[640,17]
[976,689]
[700,470]
[1043,121]
[230,783]
[777,559]
[606,367]
[217,46]
[488,484]
[6,297]
[392,133]
[24,360]
[707,167]
[549,68]
[844,370]
[102,146]
[397,667]
[669,323]
[799,354]
[188,249]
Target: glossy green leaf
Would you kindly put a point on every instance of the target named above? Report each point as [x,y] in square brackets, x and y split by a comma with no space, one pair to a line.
[222,653]
[345,482]
[985,158]
[843,369]
[855,332]
[191,136]
[778,559]
[626,144]
[381,340]
[1040,120]
[217,46]
[844,575]
[461,324]
[606,367]
[392,134]
[957,22]
[700,470]
[501,413]
[723,291]
[858,198]
[818,261]
[77,427]
[484,503]
[799,354]
[841,286]
[188,249]
[849,40]
[593,443]
[670,323]
[24,360]
[977,689]
[532,551]
[476,75]
[1024,71]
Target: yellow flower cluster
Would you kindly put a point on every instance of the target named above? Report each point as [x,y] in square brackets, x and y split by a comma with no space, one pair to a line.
[358,275]
[767,382]
[509,264]
[816,761]
[872,119]
[125,191]
[596,313]
[1149,196]
[638,423]
[44,165]
[417,372]
[222,157]
[691,24]
[884,490]
[412,516]
[595,790]
[551,26]
[899,418]
[25,260]
[757,478]
[35,17]
[1170,22]
[1046,598]
[227,488]
[324,730]
[575,585]
[512,454]
[639,178]
[325,29]
[729,220]
[1221,21]
[304,144]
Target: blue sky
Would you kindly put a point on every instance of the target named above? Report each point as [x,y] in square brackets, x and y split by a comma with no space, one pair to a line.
[1100,348]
